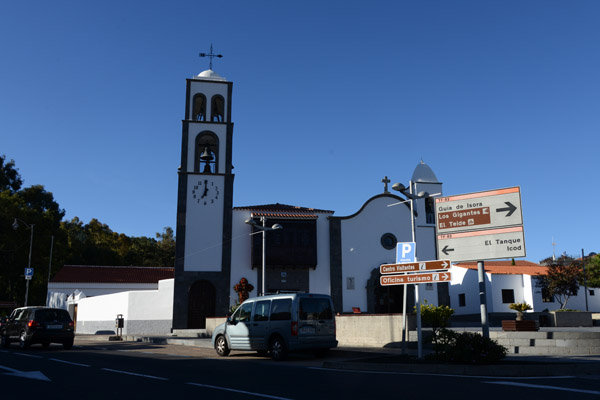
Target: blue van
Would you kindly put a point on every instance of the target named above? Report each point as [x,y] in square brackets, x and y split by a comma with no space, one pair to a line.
[278,324]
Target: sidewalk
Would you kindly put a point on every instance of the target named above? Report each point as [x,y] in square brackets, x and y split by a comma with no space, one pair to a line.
[391,360]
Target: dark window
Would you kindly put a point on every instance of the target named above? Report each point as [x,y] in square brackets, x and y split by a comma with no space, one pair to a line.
[52,315]
[261,311]
[389,241]
[282,310]
[546,297]
[315,309]
[592,293]
[199,108]
[243,313]
[462,300]
[217,109]
[508,296]
[429,210]
[293,246]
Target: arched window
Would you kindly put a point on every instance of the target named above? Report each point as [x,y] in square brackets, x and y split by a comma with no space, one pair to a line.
[217,109]
[429,210]
[199,108]
[207,153]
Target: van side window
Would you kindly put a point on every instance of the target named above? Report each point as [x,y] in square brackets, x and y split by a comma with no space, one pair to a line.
[282,310]
[261,311]
[243,313]
[313,309]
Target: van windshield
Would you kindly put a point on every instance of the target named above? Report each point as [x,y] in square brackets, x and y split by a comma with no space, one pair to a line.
[315,308]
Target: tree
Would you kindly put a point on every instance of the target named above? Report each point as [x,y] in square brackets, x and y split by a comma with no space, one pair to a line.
[9,176]
[592,271]
[561,282]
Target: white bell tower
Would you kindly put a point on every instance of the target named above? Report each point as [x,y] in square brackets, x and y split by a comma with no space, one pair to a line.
[205,201]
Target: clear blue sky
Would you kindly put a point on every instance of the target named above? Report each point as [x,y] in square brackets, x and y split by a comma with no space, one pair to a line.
[329,97]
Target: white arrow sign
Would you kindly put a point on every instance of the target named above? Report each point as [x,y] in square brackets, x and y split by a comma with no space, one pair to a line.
[25,374]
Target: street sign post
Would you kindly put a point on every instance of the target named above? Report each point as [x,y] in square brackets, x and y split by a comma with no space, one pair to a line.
[28,273]
[482,210]
[430,277]
[414,267]
[480,226]
[483,245]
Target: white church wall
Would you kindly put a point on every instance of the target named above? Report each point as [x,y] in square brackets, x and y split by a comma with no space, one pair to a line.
[320,278]
[201,240]
[145,312]
[361,246]
[241,253]
[58,291]
[464,281]
[505,282]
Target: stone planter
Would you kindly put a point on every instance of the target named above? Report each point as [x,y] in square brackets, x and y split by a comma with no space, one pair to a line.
[526,325]
[572,318]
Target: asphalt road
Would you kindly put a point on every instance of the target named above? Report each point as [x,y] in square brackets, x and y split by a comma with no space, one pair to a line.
[107,370]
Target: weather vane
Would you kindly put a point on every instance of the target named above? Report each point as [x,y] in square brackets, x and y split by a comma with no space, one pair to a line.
[211,55]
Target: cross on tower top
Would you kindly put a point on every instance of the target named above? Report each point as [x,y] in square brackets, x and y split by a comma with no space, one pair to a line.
[385,184]
[211,55]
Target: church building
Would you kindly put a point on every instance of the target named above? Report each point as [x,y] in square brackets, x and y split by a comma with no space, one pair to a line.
[306,249]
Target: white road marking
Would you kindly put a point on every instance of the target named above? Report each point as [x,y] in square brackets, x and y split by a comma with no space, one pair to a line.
[134,374]
[544,387]
[238,391]
[27,355]
[447,375]
[69,362]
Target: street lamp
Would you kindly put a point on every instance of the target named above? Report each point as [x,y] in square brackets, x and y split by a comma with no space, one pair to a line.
[15,226]
[411,197]
[264,230]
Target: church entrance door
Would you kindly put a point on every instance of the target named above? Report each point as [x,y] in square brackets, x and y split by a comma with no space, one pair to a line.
[201,304]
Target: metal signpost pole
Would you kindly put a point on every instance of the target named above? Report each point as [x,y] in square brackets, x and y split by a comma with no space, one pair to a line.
[485,328]
[29,265]
[264,253]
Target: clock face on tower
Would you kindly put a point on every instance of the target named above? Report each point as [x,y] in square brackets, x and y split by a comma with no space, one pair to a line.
[205,192]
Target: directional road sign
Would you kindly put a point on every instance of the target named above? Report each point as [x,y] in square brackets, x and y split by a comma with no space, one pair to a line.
[483,245]
[409,279]
[482,210]
[435,265]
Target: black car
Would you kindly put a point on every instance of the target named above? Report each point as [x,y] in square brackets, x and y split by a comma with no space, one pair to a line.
[29,325]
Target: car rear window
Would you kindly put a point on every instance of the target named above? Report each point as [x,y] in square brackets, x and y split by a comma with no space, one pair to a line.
[52,315]
[281,310]
[315,308]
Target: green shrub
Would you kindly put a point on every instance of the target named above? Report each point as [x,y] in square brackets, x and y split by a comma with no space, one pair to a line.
[437,317]
[467,348]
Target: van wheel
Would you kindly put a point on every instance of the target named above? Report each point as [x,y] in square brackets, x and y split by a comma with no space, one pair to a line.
[221,346]
[23,342]
[277,349]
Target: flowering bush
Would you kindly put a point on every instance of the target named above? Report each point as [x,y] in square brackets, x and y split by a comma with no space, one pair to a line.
[243,290]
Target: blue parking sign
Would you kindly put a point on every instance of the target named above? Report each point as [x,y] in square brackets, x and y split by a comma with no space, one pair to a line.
[28,272]
[405,252]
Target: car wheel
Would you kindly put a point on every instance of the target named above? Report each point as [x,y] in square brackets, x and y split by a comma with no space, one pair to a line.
[23,342]
[221,346]
[68,344]
[5,341]
[277,349]
[46,345]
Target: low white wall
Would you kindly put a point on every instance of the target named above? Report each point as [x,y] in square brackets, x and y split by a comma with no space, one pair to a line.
[144,312]
[357,330]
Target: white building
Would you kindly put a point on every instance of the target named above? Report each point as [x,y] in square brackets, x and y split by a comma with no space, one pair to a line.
[508,283]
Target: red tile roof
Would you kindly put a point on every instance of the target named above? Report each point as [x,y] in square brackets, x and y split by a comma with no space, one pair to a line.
[507,267]
[282,208]
[101,274]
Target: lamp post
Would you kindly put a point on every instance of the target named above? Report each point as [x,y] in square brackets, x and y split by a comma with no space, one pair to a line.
[411,198]
[264,230]
[15,226]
